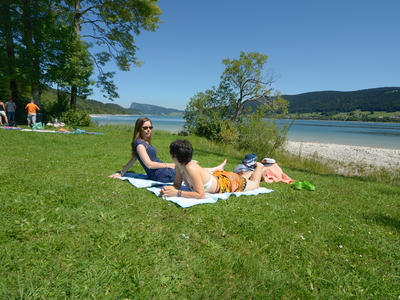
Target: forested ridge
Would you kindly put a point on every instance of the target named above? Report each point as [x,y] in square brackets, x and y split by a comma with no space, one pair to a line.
[376,99]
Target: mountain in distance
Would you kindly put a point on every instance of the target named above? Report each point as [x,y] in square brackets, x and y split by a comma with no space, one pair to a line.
[97,107]
[376,99]
[150,109]
[92,106]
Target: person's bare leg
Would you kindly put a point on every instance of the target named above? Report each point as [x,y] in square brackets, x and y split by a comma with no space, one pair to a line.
[220,167]
[258,172]
[247,174]
[254,181]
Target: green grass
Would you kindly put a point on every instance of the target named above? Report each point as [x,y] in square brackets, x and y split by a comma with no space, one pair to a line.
[68,231]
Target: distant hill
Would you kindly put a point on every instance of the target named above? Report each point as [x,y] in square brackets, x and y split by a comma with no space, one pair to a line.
[154,109]
[96,107]
[49,95]
[377,99]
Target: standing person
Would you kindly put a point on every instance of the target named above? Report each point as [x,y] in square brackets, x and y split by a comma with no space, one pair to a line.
[32,108]
[11,107]
[143,151]
[3,113]
[201,180]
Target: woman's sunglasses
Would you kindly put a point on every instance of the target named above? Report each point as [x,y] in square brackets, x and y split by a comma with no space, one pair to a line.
[147,127]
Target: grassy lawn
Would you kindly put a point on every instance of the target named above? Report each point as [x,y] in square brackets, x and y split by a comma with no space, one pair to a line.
[68,231]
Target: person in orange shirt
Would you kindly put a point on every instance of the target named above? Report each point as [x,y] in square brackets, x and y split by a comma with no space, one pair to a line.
[32,108]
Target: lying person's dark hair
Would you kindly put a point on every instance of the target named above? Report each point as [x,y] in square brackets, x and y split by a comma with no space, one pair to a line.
[182,150]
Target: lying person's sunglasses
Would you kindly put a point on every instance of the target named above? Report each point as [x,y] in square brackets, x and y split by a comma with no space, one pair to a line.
[147,127]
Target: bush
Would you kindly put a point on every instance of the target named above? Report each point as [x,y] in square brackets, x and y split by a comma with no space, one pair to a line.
[261,136]
[228,134]
[75,118]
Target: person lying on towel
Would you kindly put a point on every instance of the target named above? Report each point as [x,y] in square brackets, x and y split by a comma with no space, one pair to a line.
[201,180]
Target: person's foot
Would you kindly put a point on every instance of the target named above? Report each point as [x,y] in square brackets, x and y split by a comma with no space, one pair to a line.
[221,166]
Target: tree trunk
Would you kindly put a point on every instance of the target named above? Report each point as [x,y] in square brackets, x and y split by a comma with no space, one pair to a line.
[37,74]
[77,26]
[12,74]
[31,52]
[73,97]
[238,111]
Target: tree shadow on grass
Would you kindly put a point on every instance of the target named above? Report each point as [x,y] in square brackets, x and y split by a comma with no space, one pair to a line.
[385,220]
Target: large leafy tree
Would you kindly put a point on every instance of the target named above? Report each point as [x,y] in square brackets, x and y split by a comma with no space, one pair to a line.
[49,43]
[37,36]
[247,80]
[206,110]
[243,84]
[36,39]
[234,113]
[112,25]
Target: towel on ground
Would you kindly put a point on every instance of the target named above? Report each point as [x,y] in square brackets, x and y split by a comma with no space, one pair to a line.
[141,180]
[78,131]
[210,198]
[11,128]
[273,173]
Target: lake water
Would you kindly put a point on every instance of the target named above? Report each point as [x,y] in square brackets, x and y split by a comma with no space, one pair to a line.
[372,134]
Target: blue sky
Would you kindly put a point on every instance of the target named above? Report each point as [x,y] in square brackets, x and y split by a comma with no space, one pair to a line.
[312,46]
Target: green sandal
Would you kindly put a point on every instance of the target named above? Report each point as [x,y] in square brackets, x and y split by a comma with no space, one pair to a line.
[298,185]
[308,186]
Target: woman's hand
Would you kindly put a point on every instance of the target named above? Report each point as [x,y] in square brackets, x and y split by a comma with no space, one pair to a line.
[169,191]
[170,166]
[115,175]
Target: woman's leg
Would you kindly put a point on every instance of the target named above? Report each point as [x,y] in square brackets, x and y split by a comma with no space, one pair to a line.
[220,167]
[247,174]
[254,181]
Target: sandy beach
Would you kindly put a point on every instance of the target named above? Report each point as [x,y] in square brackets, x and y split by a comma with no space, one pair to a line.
[349,155]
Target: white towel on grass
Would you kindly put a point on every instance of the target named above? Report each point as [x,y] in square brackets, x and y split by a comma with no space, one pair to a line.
[210,198]
[141,180]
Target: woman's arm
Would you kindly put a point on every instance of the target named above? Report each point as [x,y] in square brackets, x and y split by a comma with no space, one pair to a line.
[194,173]
[141,151]
[128,165]
[178,178]
[125,169]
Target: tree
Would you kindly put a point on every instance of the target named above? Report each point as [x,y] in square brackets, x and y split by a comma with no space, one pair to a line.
[206,110]
[7,43]
[242,85]
[244,78]
[112,24]
[234,113]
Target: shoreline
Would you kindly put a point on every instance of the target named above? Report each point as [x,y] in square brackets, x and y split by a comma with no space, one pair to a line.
[347,154]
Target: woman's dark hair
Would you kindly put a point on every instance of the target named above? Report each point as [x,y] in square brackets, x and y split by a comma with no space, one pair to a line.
[182,150]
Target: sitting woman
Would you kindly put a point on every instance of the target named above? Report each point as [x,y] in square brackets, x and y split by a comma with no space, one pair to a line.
[201,180]
[143,151]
